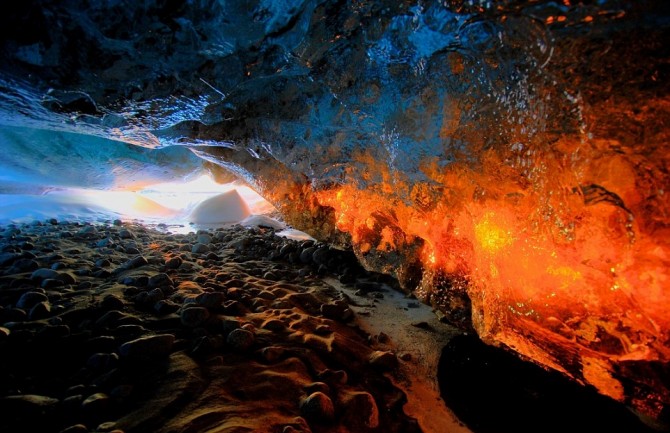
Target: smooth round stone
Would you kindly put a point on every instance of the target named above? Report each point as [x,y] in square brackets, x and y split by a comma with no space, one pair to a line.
[27,402]
[241,339]
[204,238]
[126,234]
[149,347]
[77,428]
[135,262]
[306,255]
[317,407]
[102,361]
[211,300]
[96,402]
[383,360]
[102,263]
[199,248]
[23,265]
[165,306]
[40,310]
[160,280]
[88,232]
[30,299]
[361,411]
[43,274]
[173,263]
[112,302]
[110,318]
[103,243]
[51,283]
[275,325]
[194,316]
[154,296]
[53,332]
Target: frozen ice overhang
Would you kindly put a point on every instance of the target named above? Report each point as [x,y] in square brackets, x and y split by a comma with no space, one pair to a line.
[508,162]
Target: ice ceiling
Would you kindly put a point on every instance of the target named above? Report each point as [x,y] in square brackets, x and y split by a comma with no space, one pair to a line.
[507,161]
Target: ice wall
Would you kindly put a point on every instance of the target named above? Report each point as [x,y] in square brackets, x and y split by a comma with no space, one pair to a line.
[507,161]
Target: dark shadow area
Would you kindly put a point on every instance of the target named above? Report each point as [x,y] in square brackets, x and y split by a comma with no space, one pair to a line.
[493,391]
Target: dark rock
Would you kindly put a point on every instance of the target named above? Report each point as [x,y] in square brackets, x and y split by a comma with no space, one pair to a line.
[97,403]
[383,360]
[211,300]
[318,408]
[240,339]
[13,315]
[338,312]
[30,299]
[193,316]
[200,248]
[7,259]
[160,280]
[306,255]
[360,411]
[27,406]
[275,325]
[88,232]
[44,273]
[126,234]
[76,428]
[51,283]
[153,296]
[134,263]
[165,306]
[173,263]
[22,265]
[112,302]
[147,348]
[53,332]
[109,319]
[102,361]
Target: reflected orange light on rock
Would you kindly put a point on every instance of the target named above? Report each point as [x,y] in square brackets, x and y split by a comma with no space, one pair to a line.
[566,266]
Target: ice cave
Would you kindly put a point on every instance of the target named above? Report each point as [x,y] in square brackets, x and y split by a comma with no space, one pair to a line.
[504,164]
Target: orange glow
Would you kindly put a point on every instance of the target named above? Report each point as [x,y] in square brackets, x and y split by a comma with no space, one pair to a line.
[563,259]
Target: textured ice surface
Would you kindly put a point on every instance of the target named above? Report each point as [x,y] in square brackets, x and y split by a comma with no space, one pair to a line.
[507,161]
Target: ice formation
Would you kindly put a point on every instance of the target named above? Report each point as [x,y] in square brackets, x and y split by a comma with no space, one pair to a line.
[507,161]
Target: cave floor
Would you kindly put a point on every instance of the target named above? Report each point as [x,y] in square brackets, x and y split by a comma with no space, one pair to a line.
[121,327]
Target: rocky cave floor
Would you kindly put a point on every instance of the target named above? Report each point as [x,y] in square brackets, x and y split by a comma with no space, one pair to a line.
[126,328]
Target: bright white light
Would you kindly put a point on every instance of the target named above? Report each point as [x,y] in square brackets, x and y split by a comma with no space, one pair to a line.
[184,196]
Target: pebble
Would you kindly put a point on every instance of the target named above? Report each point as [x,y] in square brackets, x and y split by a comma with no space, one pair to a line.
[76,428]
[112,302]
[199,248]
[360,411]
[173,263]
[134,263]
[40,310]
[30,299]
[160,280]
[96,403]
[147,348]
[383,359]
[194,316]
[126,234]
[44,273]
[210,300]
[317,407]
[240,339]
